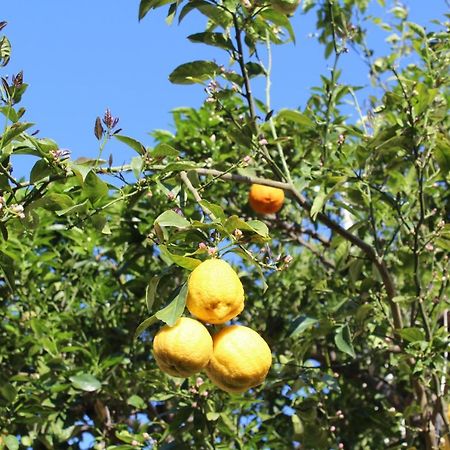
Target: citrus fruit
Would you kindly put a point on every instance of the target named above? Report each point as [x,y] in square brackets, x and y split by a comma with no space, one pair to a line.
[184,349]
[285,6]
[265,199]
[241,359]
[215,292]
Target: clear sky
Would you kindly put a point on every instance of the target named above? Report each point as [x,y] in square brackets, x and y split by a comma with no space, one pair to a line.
[82,57]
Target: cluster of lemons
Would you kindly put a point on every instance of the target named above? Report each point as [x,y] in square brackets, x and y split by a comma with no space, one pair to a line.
[236,358]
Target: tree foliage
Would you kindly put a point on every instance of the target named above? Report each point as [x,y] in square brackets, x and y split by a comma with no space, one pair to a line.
[348,283]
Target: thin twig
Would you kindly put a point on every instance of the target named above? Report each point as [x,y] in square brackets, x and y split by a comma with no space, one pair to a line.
[184,177]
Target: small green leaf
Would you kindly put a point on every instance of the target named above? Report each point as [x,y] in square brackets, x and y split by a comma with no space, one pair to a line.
[137,402]
[217,15]
[132,143]
[85,382]
[94,187]
[183,261]
[137,165]
[13,131]
[39,171]
[295,116]
[212,416]
[254,69]
[442,155]
[171,219]
[194,72]
[259,227]
[301,324]
[11,442]
[254,226]
[150,292]
[343,341]
[297,425]
[144,7]
[144,325]
[412,334]
[8,391]
[162,150]
[7,267]
[215,209]
[5,51]
[173,311]
[317,205]
[214,39]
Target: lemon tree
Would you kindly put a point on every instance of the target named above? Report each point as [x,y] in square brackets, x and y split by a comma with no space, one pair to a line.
[326,319]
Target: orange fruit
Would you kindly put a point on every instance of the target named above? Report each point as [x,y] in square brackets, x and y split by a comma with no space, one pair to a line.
[184,349]
[265,199]
[215,292]
[241,359]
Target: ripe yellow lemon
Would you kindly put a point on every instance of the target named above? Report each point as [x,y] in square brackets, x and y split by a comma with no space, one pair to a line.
[241,359]
[215,292]
[184,349]
[265,199]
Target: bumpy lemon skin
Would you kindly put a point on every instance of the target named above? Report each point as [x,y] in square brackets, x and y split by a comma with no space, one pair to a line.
[184,349]
[215,292]
[241,359]
[265,199]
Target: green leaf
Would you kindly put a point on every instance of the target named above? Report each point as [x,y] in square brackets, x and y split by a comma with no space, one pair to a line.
[8,391]
[131,142]
[343,341]
[183,261]
[217,15]
[280,20]
[137,402]
[172,219]
[318,203]
[212,416]
[73,209]
[301,324]
[7,267]
[254,69]
[94,187]
[144,325]
[213,39]
[297,425]
[53,202]
[173,311]
[162,150]
[259,227]
[39,171]
[5,51]
[85,382]
[150,292]
[137,164]
[442,155]
[412,334]
[194,72]
[11,442]
[254,226]
[13,131]
[215,209]
[295,116]
[82,166]
[146,5]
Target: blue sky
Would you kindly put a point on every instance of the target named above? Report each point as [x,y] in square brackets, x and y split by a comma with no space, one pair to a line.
[82,57]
